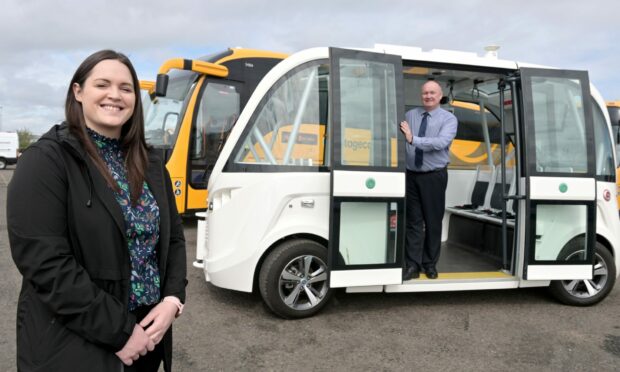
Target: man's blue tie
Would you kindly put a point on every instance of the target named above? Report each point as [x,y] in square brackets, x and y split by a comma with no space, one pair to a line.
[418,152]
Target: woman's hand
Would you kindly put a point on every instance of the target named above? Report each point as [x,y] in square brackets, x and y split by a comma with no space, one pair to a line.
[159,319]
[139,343]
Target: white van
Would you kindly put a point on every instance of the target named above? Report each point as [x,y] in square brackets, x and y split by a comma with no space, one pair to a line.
[9,145]
[308,193]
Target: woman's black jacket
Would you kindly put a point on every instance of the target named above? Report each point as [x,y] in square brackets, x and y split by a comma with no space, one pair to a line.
[67,238]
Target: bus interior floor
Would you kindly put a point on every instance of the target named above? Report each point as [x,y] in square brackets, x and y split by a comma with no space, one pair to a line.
[454,259]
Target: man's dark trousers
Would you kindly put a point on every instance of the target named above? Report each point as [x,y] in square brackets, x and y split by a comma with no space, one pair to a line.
[426,202]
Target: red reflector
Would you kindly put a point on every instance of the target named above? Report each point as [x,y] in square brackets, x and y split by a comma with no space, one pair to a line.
[393,222]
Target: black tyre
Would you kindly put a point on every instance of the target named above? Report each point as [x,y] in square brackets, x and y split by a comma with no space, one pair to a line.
[590,291]
[293,279]
[2,163]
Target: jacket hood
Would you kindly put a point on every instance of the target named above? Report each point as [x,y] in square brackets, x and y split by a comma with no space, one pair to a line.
[61,134]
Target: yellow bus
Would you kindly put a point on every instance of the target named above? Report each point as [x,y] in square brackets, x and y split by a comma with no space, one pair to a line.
[190,110]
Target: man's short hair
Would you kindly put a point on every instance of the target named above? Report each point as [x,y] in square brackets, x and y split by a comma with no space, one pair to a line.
[433,81]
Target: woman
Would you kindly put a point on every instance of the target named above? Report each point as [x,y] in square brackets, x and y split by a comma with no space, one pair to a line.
[94,231]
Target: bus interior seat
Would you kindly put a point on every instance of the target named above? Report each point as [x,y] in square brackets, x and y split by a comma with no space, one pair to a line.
[480,190]
[491,209]
[496,202]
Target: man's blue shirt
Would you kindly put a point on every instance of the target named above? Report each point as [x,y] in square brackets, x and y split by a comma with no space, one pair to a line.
[441,128]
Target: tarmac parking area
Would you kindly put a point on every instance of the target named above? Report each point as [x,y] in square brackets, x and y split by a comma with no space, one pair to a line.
[222,330]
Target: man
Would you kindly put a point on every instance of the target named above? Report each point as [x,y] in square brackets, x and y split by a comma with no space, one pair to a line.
[429,131]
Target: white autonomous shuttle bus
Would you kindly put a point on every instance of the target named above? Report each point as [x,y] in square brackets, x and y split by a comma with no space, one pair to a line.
[308,193]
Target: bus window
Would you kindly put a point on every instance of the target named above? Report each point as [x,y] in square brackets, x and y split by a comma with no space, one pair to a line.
[552,223]
[468,149]
[146,87]
[477,109]
[162,113]
[218,112]
[289,128]
[365,129]
[614,115]
[605,170]
[561,145]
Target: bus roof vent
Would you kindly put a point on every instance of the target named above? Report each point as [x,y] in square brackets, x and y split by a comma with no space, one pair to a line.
[491,51]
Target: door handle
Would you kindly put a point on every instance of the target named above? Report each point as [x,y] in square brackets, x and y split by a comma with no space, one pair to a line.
[307,203]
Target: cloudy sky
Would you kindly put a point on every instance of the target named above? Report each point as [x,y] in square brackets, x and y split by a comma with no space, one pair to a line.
[42,42]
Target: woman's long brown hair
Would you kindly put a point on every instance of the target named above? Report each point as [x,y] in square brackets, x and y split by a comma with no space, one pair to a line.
[131,140]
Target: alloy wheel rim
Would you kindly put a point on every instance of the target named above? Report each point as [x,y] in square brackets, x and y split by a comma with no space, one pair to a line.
[587,288]
[303,282]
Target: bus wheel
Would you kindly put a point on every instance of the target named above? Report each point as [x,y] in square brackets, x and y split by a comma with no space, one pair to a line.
[293,279]
[2,163]
[589,291]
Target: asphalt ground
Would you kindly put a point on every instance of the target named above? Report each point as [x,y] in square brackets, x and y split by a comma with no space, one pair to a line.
[222,330]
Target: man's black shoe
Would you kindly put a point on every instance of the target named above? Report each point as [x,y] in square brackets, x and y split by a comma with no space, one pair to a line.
[410,273]
[431,273]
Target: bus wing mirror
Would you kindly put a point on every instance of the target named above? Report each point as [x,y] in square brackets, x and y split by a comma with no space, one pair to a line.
[161,85]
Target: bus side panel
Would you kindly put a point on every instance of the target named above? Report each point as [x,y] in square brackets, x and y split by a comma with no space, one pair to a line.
[607,223]
[273,209]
